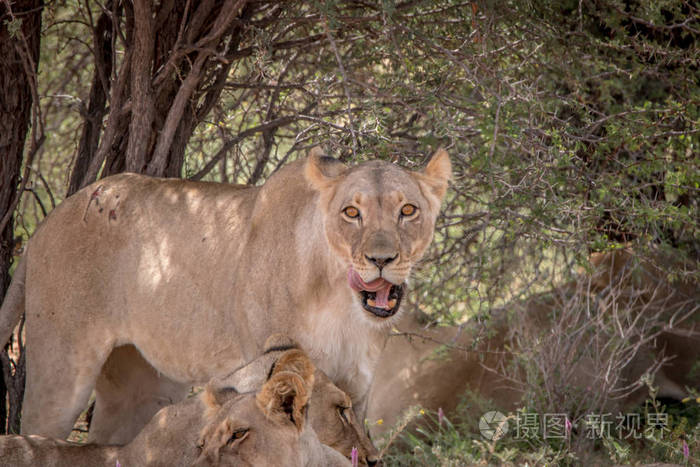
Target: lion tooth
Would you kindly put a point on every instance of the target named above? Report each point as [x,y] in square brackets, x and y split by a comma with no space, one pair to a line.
[392,303]
[371,302]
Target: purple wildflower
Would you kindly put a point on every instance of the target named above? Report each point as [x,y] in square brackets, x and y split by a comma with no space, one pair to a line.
[354,457]
[567,425]
[686,450]
[441,416]
[118,464]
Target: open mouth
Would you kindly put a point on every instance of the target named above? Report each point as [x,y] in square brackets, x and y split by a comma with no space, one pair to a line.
[369,301]
[380,297]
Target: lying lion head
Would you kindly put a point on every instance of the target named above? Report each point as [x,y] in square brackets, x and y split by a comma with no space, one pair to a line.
[379,220]
[259,429]
[330,409]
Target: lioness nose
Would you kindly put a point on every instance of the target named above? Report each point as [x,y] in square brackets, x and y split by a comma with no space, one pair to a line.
[372,462]
[380,261]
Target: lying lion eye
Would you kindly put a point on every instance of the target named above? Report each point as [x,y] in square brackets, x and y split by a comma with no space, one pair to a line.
[237,435]
[342,410]
[352,212]
[408,210]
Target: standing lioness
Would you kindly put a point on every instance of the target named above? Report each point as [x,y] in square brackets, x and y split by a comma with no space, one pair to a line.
[197,275]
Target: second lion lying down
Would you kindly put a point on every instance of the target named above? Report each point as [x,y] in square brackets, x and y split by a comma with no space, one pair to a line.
[223,426]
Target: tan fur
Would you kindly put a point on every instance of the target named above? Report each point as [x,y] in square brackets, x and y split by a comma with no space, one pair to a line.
[129,391]
[295,360]
[279,388]
[645,286]
[434,367]
[282,401]
[340,432]
[330,409]
[293,377]
[33,450]
[196,275]
[197,431]
[418,374]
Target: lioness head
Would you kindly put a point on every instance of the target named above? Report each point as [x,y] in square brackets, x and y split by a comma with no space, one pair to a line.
[379,220]
[263,428]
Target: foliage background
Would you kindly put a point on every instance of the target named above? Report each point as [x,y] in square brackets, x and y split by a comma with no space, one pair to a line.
[572,125]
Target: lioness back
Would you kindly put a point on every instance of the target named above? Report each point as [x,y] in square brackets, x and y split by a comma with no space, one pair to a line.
[128,239]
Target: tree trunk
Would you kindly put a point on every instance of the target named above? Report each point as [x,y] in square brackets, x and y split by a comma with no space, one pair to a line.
[20,32]
[171,74]
[97,107]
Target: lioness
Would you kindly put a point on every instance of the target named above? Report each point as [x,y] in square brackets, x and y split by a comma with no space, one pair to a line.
[197,275]
[220,427]
[427,371]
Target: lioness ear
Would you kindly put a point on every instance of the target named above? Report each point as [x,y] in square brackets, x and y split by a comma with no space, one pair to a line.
[284,397]
[436,175]
[321,170]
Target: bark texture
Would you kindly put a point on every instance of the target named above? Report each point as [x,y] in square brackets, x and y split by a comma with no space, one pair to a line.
[20,30]
[177,57]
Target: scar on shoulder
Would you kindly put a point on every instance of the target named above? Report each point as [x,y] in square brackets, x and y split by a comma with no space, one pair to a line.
[95,196]
[113,211]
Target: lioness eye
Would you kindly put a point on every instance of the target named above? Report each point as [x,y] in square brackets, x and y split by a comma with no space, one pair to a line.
[352,212]
[237,435]
[408,210]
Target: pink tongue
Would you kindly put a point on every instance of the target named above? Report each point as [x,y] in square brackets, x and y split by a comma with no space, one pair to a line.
[381,286]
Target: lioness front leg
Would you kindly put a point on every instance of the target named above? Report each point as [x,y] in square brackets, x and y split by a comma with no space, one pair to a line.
[58,386]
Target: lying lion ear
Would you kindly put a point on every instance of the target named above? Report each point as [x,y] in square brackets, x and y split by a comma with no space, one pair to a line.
[284,397]
[214,396]
[296,361]
[321,170]
[279,342]
[436,175]
[288,388]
